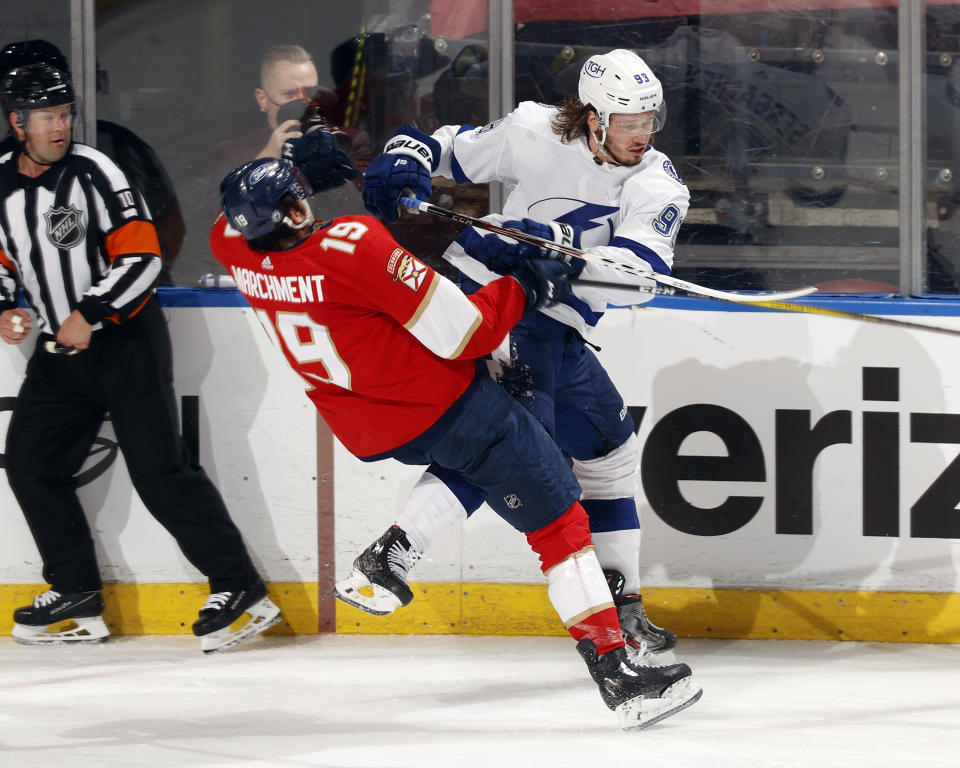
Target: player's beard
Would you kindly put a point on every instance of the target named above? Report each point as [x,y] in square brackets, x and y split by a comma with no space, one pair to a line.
[631,155]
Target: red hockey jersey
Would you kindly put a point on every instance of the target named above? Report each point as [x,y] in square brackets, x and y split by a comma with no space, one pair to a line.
[384,343]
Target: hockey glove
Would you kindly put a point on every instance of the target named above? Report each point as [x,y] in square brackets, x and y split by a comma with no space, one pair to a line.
[504,256]
[561,233]
[495,253]
[403,169]
[544,281]
[321,160]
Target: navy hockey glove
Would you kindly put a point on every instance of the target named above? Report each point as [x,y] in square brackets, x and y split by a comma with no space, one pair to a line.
[321,160]
[403,169]
[563,234]
[495,253]
[544,281]
[504,256]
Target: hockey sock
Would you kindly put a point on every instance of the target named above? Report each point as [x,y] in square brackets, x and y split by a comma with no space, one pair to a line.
[577,587]
[610,486]
[620,551]
[430,509]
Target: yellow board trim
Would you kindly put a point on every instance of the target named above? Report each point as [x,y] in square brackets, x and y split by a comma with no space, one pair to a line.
[170,609]
[523,609]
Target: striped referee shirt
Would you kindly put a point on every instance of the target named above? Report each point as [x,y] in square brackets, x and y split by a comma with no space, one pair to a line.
[78,236]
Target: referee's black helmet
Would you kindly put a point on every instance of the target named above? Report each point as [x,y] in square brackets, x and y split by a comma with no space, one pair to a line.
[35,86]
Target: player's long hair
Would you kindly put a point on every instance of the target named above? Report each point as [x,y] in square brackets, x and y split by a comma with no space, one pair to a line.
[570,122]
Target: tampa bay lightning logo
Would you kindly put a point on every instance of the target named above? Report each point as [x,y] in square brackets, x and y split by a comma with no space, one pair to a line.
[671,171]
[577,213]
[489,126]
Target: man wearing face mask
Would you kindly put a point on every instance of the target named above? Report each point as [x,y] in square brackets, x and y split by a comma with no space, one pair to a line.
[288,78]
[286,72]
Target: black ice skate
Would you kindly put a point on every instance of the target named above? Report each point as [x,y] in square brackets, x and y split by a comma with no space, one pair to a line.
[642,635]
[640,695]
[61,618]
[222,610]
[378,584]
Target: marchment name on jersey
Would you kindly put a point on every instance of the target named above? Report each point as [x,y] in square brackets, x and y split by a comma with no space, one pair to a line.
[295,289]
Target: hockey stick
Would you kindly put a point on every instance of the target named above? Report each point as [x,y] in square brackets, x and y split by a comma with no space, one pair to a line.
[822,311]
[419,206]
[765,301]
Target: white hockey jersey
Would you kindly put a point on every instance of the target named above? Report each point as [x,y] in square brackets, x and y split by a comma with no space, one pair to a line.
[634,210]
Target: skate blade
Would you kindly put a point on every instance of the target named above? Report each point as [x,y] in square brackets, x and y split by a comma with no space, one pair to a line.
[74,631]
[641,713]
[263,615]
[354,590]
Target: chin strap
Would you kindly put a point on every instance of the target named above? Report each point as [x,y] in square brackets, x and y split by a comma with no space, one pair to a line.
[23,148]
[601,149]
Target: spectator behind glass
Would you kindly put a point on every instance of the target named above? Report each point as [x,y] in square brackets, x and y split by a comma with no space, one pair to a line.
[134,156]
[293,102]
[287,74]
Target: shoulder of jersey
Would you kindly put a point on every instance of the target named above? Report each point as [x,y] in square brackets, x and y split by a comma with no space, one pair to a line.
[102,160]
[658,167]
[533,114]
[85,150]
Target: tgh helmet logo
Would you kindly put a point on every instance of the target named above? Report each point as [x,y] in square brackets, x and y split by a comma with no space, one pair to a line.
[593,69]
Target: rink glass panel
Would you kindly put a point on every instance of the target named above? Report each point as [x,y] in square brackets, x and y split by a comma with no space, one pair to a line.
[784,118]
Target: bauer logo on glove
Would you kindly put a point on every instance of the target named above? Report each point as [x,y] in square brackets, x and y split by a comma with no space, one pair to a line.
[404,168]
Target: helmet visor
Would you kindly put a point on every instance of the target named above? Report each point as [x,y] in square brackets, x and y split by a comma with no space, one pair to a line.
[47,120]
[639,124]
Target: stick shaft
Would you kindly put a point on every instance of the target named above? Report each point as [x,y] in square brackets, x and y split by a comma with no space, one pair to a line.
[418,205]
[768,301]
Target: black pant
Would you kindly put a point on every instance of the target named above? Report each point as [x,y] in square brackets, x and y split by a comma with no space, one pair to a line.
[128,373]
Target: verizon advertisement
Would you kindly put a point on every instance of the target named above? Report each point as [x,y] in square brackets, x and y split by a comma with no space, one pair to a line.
[777,450]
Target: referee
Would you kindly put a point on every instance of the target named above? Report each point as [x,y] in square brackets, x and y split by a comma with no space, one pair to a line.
[79,240]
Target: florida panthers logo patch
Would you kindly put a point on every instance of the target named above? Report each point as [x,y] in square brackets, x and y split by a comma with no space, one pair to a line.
[406,269]
[64,227]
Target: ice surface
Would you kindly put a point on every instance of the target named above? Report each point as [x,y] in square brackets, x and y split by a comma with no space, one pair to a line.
[490,702]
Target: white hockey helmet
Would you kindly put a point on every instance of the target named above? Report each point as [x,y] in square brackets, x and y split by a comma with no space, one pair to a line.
[620,82]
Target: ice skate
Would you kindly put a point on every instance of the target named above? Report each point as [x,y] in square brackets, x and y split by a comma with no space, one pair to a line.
[378,583]
[640,695]
[223,610]
[645,640]
[61,618]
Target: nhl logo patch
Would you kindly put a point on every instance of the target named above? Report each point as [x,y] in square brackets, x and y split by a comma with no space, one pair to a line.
[64,227]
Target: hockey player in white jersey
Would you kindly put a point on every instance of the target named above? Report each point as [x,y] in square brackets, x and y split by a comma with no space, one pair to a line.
[584,174]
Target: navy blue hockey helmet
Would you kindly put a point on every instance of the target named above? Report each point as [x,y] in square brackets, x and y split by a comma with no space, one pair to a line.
[252,195]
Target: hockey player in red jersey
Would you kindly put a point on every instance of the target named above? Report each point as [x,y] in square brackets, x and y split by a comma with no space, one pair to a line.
[387,348]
